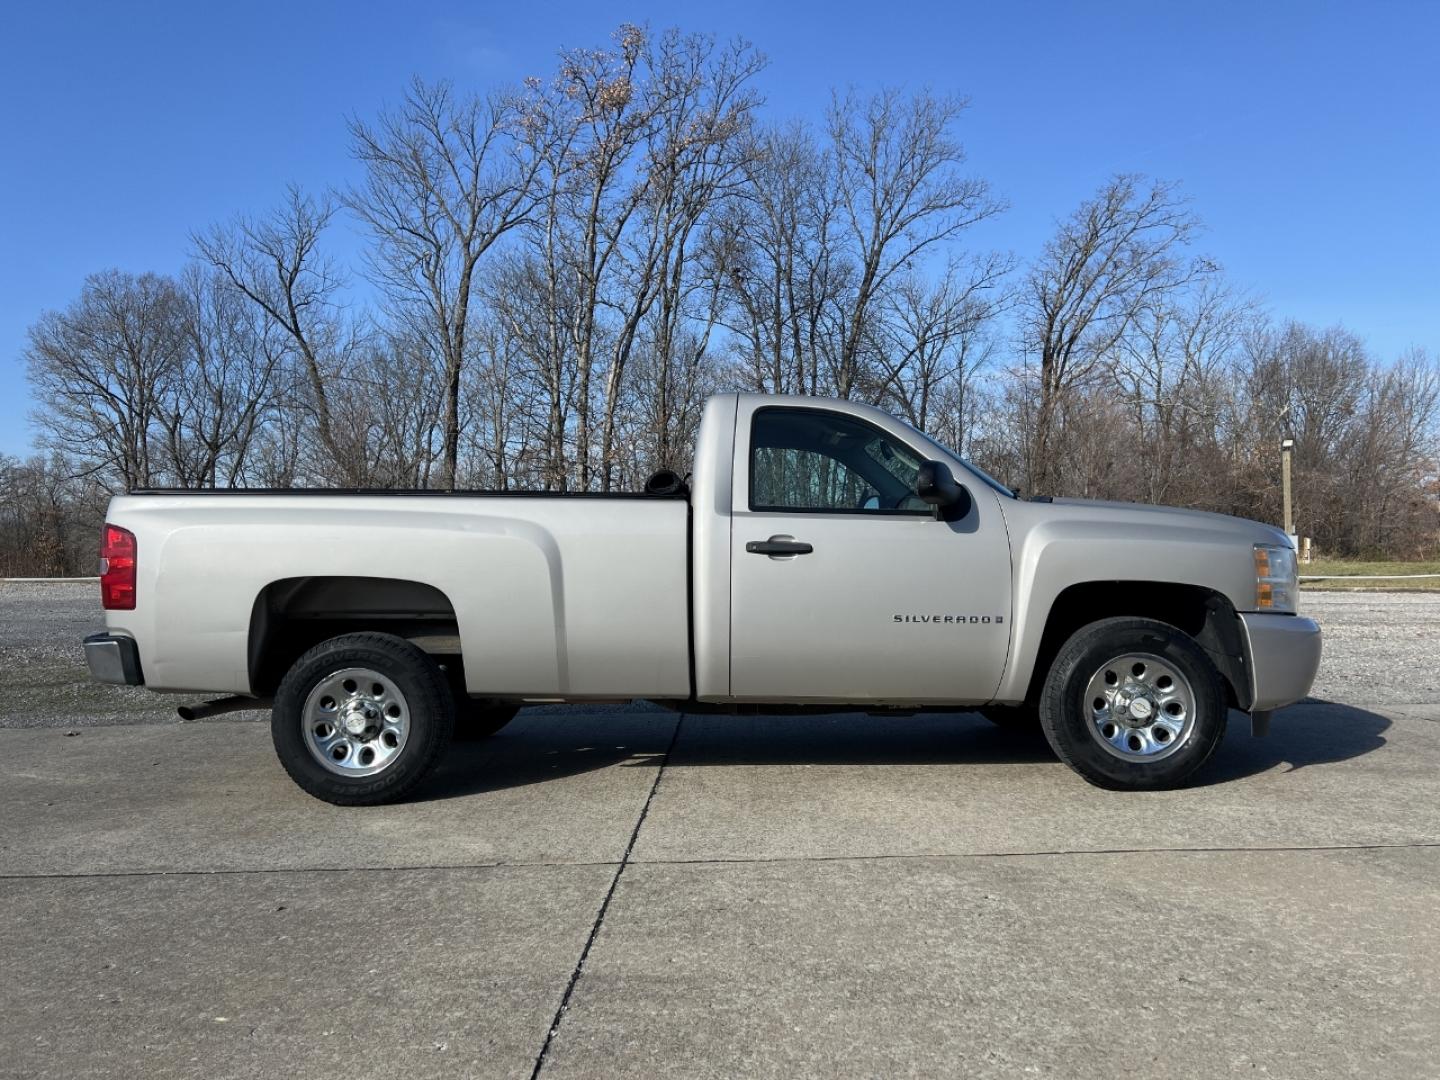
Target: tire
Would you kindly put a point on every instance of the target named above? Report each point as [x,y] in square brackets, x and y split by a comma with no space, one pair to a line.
[1133,704]
[383,682]
[479,718]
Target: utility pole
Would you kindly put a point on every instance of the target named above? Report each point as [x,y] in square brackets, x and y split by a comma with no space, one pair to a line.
[1286,446]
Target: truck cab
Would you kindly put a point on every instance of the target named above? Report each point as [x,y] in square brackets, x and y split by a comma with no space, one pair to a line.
[816,542]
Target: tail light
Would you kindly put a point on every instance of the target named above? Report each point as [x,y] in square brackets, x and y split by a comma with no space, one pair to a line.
[117,569]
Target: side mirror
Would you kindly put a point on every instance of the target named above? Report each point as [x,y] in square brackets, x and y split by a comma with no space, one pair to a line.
[935,484]
[666,482]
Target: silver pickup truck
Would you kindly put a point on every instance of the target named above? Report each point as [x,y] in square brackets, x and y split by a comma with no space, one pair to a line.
[826,557]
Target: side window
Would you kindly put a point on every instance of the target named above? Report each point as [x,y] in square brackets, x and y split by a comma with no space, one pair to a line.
[788,478]
[812,460]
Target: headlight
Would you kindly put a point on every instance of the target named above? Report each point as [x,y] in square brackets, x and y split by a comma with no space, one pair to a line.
[1277,581]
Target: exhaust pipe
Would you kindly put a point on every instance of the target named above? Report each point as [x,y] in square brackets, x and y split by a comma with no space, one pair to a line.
[220,706]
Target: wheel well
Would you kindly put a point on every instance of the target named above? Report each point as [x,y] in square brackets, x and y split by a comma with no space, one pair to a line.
[1207,616]
[292,615]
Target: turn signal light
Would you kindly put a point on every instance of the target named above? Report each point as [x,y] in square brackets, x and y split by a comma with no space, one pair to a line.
[117,569]
[1276,582]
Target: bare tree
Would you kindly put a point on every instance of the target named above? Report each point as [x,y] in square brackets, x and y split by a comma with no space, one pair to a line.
[1365,437]
[225,386]
[1171,371]
[506,435]
[445,178]
[936,335]
[897,173]
[531,305]
[779,252]
[101,370]
[1397,442]
[598,113]
[276,262]
[1114,256]
[644,138]
[694,155]
[392,398]
[48,517]
[758,253]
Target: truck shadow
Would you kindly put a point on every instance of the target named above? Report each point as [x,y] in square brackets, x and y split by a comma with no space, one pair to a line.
[536,749]
[1314,732]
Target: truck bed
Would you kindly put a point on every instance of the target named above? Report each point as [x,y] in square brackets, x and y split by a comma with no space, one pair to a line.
[460,493]
[554,595]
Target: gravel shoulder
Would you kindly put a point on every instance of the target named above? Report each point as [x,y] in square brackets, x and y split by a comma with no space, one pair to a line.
[1380,649]
[41,627]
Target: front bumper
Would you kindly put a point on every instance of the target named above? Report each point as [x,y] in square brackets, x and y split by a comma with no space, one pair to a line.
[1284,652]
[114,658]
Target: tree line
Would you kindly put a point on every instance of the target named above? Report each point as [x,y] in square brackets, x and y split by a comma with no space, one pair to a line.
[556,275]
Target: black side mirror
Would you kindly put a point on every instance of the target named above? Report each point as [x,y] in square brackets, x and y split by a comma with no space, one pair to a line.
[935,483]
[666,482]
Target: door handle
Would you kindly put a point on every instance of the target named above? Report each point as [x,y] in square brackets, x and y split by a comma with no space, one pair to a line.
[778,545]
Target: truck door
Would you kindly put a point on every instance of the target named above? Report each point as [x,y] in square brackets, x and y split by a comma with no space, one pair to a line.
[844,585]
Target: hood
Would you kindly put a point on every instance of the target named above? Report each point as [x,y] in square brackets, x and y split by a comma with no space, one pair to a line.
[1254,532]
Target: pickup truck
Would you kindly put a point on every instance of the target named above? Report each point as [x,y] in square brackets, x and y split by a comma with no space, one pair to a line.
[826,557]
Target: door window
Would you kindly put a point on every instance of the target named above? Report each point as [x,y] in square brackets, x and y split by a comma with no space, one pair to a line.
[809,460]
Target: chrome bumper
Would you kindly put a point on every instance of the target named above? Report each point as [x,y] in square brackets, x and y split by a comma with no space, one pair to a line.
[113,658]
[1284,654]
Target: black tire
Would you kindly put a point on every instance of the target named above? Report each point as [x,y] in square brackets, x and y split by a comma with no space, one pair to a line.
[479,718]
[1012,717]
[1065,713]
[430,717]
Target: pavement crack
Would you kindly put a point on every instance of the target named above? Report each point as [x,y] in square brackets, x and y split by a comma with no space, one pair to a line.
[1298,849]
[544,1054]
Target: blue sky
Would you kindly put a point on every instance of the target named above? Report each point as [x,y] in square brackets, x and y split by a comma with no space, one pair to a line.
[1307,134]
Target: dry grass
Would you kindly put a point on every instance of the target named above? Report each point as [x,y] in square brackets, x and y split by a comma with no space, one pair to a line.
[1345,568]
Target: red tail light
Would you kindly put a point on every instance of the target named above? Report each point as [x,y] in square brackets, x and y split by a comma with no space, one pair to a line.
[117,569]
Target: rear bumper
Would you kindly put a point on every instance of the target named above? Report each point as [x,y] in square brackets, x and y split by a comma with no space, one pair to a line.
[1284,652]
[114,658]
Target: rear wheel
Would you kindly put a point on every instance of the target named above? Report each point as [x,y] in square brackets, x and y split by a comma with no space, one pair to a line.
[362,719]
[1133,704]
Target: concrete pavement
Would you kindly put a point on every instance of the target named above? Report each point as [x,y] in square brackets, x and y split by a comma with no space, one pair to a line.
[289,974]
[828,896]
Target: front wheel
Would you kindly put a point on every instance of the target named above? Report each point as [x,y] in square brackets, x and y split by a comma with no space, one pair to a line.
[1133,704]
[362,719]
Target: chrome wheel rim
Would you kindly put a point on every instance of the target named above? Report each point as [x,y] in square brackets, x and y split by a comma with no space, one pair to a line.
[1140,707]
[356,722]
